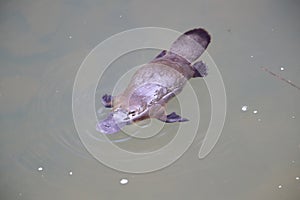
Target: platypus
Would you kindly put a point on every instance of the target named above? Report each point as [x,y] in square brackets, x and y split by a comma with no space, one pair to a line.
[156,82]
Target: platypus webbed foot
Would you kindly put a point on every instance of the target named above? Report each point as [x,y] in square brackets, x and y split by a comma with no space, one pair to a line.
[107,100]
[173,117]
[200,69]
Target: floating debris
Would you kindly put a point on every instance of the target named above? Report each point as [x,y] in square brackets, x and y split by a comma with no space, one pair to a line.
[297,178]
[255,111]
[279,186]
[281,68]
[70,37]
[40,169]
[70,173]
[281,78]
[293,117]
[251,56]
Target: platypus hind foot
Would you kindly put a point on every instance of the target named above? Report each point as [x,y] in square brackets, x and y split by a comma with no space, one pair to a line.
[200,69]
[173,117]
[107,100]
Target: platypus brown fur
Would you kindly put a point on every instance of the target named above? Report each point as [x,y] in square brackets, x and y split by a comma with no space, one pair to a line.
[156,82]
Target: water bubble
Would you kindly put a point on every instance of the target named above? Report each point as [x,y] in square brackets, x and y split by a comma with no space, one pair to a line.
[70,173]
[293,117]
[281,68]
[244,108]
[70,37]
[251,56]
[297,178]
[20,194]
[40,169]
[255,111]
[259,120]
[120,16]
[124,181]
[279,186]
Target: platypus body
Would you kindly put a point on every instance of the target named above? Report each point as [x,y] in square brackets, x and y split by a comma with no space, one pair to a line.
[156,82]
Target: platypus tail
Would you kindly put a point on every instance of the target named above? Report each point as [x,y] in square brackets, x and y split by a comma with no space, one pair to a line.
[191,44]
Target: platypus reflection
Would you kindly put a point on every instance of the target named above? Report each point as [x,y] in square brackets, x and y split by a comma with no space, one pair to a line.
[156,82]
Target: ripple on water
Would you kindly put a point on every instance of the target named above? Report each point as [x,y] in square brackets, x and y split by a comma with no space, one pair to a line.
[54,102]
[50,135]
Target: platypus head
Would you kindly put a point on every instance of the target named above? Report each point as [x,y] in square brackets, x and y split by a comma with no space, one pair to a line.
[113,123]
[118,119]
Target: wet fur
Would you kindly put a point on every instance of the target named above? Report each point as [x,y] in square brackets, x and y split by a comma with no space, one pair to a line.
[155,83]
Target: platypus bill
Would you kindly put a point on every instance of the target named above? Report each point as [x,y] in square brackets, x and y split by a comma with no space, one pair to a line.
[156,82]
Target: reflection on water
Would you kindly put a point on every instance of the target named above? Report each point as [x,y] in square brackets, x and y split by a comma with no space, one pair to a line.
[42,45]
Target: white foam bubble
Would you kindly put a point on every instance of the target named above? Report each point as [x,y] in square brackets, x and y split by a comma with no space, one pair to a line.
[244,108]
[124,181]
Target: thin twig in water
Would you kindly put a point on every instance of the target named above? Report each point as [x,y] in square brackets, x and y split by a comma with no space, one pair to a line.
[281,78]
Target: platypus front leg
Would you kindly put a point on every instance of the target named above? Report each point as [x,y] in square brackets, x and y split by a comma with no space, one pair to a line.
[107,101]
[200,69]
[159,112]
